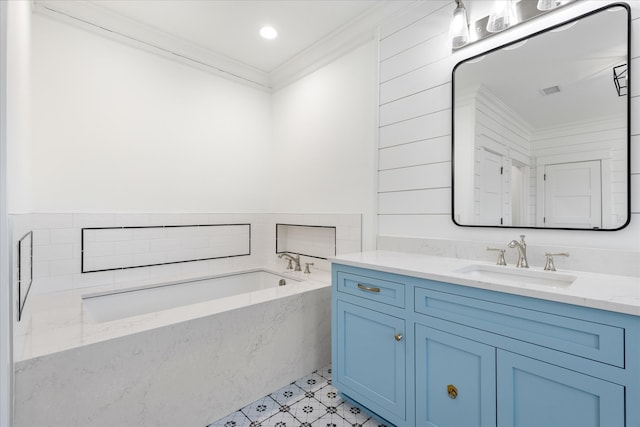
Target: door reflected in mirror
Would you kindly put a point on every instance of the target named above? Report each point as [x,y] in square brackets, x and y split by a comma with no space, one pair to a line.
[541,129]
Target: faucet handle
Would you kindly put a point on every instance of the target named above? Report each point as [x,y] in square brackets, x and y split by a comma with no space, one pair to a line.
[306,267]
[549,265]
[501,260]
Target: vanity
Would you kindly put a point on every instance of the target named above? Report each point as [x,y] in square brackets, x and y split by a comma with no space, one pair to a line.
[431,341]
[428,341]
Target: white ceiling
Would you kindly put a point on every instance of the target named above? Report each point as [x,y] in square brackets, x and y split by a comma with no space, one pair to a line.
[231,27]
[221,36]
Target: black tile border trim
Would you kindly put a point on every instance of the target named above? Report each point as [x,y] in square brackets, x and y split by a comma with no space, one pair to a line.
[82,270]
[22,303]
[308,226]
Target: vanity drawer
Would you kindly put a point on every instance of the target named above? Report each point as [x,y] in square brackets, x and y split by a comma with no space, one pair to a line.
[595,341]
[379,290]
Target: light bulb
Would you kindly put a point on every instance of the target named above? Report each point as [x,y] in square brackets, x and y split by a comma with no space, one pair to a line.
[268,33]
[547,4]
[459,28]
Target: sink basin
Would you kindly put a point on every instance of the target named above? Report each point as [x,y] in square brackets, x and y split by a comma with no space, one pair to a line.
[520,275]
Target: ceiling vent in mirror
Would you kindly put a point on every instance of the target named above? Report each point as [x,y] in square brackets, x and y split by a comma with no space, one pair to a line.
[550,90]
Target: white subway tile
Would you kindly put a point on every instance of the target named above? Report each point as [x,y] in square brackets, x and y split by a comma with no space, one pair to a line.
[96,249]
[92,220]
[149,233]
[64,267]
[51,220]
[131,247]
[132,220]
[41,237]
[65,235]
[114,234]
[53,252]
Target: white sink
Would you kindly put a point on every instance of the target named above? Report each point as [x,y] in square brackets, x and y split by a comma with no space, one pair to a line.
[518,275]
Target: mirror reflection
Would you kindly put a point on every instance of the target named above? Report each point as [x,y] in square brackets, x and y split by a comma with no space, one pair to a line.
[540,135]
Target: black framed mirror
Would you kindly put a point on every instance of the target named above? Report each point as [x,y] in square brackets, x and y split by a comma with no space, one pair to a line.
[541,128]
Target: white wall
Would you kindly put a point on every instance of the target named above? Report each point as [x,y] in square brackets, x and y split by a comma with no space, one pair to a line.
[117,129]
[19,114]
[415,111]
[324,136]
[15,191]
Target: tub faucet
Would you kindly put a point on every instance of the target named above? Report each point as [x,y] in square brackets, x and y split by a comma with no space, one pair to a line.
[295,259]
[522,252]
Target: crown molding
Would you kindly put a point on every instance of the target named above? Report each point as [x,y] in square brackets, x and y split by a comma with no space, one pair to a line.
[99,20]
[349,36]
[96,19]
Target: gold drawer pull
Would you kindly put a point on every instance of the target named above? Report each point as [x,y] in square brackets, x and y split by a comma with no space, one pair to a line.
[368,289]
[452,391]
[398,337]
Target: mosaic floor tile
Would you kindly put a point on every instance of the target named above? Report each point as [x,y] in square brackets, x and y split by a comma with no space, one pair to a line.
[288,394]
[281,419]
[237,419]
[325,372]
[330,420]
[329,396]
[354,415]
[311,382]
[309,402]
[308,410]
[261,409]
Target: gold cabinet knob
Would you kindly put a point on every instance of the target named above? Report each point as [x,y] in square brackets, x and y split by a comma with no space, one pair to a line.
[398,337]
[452,391]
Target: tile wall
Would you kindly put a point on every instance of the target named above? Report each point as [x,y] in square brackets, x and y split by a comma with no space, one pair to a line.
[57,245]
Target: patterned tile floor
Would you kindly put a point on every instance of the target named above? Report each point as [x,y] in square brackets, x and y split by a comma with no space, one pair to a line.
[310,401]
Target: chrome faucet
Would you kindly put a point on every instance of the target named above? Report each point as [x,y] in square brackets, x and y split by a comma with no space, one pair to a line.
[522,252]
[295,259]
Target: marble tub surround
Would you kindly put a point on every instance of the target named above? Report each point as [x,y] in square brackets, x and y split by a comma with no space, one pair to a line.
[602,291]
[58,321]
[187,366]
[596,260]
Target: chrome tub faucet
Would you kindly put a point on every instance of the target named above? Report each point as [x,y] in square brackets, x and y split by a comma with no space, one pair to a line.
[295,259]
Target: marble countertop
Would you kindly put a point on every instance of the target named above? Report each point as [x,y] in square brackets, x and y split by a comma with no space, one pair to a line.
[602,291]
[59,321]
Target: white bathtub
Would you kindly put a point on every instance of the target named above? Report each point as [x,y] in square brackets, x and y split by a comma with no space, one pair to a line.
[173,354]
[114,305]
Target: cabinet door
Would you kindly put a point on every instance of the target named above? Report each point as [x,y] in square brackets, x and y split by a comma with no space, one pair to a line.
[443,361]
[371,359]
[532,393]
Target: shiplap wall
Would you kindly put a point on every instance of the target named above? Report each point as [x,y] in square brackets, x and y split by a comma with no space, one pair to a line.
[414,153]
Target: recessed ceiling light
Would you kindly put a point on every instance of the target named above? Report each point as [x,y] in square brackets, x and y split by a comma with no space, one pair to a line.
[268,33]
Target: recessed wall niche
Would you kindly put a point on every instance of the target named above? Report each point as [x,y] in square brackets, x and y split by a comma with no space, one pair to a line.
[309,240]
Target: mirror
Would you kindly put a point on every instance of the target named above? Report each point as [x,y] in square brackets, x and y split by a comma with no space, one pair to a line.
[541,129]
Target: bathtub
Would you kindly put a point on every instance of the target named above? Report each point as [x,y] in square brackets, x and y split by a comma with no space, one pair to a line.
[180,353]
[114,305]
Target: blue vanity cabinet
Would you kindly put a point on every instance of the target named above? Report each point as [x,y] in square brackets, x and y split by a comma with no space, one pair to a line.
[532,393]
[473,357]
[455,380]
[370,363]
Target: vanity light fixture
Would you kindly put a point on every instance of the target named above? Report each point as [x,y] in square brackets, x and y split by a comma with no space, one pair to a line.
[620,79]
[268,33]
[545,5]
[502,17]
[459,27]
[505,14]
